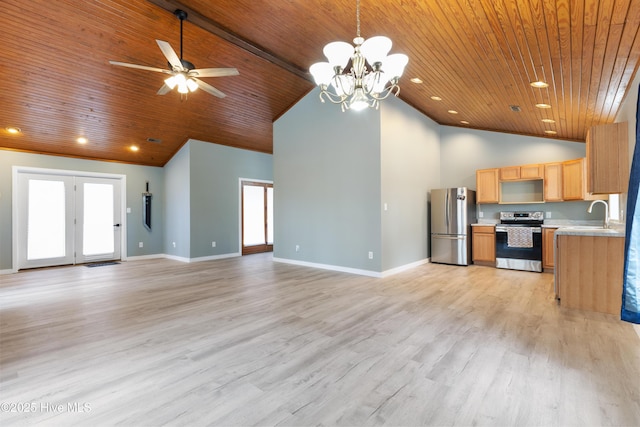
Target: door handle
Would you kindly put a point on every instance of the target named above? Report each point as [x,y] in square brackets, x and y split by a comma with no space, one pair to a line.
[116,225]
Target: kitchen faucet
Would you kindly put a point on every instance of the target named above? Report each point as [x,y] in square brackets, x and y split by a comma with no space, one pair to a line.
[606,211]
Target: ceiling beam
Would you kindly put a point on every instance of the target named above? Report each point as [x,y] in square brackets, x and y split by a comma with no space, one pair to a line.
[224,33]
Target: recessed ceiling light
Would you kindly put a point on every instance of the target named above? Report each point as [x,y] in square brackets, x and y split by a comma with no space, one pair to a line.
[81,140]
[550,132]
[539,84]
[452,112]
[134,148]
[543,105]
[13,130]
[416,80]
[548,121]
[464,122]
[515,108]
[436,98]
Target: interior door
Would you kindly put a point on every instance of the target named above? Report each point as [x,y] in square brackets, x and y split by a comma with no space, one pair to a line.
[257,217]
[64,219]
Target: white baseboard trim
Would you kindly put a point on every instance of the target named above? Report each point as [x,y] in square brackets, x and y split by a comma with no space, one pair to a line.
[405,267]
[360,272]
[143,257]
[215,257]
[8,271]
[200,259]
[329,267]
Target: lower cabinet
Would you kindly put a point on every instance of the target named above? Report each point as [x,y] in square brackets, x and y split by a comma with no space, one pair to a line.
[548,249]
[589,272]
[484,244]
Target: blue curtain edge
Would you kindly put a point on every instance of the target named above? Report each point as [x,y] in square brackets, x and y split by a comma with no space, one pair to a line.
[629,316]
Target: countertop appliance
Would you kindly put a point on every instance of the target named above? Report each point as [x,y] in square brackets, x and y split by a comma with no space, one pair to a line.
[519,241]
[452,211]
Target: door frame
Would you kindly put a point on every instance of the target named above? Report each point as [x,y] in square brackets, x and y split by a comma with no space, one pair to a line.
[15,241]
[240,181]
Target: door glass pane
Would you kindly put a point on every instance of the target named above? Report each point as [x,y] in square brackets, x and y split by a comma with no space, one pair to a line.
[46,220]
[253,215]
[270,215]
[97,228]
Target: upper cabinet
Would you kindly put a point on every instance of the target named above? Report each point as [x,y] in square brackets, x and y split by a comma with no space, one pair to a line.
[574,183]
[553,182]
[487,186]
[532,172]
[608,158]
[513,173]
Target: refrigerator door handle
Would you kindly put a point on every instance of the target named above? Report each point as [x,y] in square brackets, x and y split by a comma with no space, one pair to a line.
[449,237]
[446,211]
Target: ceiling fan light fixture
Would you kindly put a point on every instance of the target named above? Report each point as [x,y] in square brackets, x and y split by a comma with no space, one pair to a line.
[372,74]
[192,85]
[171,82]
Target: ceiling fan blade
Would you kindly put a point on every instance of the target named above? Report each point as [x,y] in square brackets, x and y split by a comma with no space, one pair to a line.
[163,90]
[140,67]
[170,54]
[214,72]
[208,88]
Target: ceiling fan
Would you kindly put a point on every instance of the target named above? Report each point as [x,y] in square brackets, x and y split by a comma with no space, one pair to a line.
[184,75]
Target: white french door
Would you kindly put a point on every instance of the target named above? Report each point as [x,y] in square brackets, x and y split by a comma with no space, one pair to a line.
[257,217]
[67,219]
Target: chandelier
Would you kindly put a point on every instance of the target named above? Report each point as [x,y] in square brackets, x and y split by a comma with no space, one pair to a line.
[361,76]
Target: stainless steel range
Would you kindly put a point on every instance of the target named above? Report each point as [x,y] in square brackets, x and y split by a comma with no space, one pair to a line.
[519,241]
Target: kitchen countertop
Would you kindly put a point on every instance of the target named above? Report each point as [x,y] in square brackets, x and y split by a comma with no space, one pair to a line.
[586,231]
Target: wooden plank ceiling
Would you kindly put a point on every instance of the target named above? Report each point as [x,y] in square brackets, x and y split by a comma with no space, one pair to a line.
[478,56]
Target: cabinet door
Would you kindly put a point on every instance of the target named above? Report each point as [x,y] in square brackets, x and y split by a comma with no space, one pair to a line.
[608,158]
[484,246]
[531,172]
[510,173]
[553,182]
[548,247]
[487,186]
[573,179]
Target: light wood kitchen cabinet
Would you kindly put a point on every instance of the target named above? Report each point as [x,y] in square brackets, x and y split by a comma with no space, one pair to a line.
[574,180]
[608,158]
[548,248]
[487,186]
[553,182]
[589,272]
[509,173]
[484,244]
[532,172]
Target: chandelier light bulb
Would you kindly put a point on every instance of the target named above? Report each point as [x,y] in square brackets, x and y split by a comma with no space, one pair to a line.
[338,53]
[375,49]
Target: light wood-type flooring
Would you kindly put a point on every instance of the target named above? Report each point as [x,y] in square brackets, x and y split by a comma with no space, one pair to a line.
[246,341]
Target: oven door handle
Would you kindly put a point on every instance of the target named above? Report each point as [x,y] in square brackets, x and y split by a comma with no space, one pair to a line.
[504,229]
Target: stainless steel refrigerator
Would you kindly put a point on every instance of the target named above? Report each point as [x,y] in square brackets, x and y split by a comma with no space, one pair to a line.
[452,212]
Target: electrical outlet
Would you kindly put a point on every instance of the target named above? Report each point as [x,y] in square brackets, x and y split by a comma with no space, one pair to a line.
[140,244]
[480,214]
[370,255]
[547,215]
[213,244]
[174,244]
[386,207]
[297,248]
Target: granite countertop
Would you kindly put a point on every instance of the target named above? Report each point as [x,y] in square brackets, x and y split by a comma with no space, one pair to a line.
[587,231]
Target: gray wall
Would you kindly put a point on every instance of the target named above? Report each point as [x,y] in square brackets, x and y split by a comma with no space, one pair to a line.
[137,176]
[465,150]
[177,209]
[410,169]
[215,172]
[327,185]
